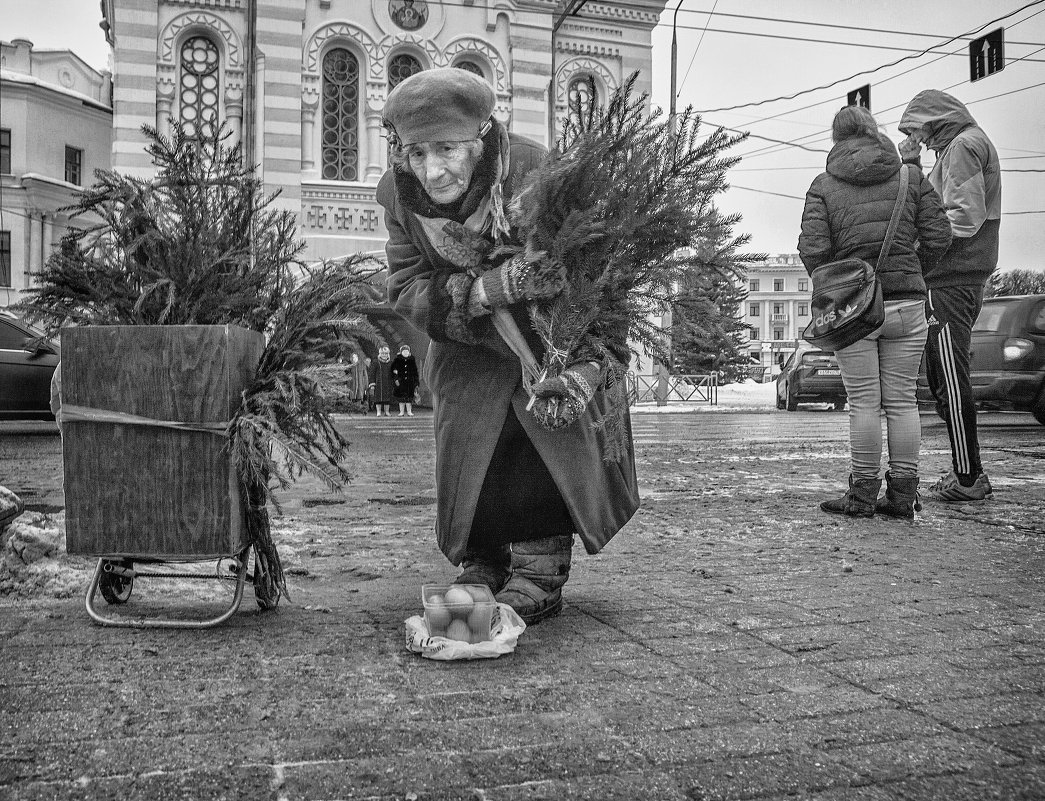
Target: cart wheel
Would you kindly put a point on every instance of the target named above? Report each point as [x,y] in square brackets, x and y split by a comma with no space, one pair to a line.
[115,588]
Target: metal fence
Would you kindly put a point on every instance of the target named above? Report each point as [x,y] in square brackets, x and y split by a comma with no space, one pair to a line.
[678,389]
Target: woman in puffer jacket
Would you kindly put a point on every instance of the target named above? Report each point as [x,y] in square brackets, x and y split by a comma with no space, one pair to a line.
[846,215]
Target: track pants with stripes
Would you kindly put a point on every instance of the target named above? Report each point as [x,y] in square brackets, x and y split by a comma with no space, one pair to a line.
[951,311]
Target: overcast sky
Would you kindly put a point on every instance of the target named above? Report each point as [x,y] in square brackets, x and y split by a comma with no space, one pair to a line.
[731,69]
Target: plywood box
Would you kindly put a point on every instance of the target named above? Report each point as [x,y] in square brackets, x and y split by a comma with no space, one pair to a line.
[147,490]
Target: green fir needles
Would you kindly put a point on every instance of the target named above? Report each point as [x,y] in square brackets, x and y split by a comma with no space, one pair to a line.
[201,244]
[623,205]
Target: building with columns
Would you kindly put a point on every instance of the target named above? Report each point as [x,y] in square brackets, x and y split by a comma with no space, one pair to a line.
[777,307]
[302,83]
[55,131]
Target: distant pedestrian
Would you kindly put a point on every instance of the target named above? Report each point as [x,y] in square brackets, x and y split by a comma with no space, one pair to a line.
[381,381]
[967,176]
[405,380]
[847,213]
[358,379]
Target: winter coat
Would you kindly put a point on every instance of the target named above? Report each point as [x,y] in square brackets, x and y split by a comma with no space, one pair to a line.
[967,175]
[847,213]
[381,378]
[474,383]
[404,378]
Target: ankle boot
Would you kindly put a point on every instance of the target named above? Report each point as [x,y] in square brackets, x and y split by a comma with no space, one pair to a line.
[539,569]
[859,501]
[491,566]
[901,497]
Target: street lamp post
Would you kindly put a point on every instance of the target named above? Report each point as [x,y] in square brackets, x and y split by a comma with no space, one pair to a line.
[667,319]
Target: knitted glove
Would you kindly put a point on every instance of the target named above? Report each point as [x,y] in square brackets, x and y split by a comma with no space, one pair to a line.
[524,278]
[560,401]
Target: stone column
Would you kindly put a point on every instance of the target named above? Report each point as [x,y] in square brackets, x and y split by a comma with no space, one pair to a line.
[34,228]
[308,127]
[375,161]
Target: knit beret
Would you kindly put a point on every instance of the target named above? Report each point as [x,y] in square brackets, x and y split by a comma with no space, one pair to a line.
[440,105]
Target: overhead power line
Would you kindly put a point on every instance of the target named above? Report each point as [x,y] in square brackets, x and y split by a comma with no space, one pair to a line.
[875,69]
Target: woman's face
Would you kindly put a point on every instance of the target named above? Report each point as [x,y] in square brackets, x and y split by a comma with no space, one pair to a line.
[443,168]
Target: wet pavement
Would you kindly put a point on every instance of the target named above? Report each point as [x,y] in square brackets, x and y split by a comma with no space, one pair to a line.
[732,642]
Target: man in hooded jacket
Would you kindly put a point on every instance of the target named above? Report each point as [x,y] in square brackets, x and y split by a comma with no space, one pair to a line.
[967,177]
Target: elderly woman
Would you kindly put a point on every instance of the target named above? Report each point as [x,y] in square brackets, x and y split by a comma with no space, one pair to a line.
[511,493]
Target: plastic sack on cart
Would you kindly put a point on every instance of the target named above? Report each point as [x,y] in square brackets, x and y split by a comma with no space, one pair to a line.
[504,634]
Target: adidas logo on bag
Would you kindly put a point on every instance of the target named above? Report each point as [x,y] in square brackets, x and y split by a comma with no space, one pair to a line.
[827,318]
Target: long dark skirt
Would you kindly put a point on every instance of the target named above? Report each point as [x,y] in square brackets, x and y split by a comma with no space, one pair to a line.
[519,500]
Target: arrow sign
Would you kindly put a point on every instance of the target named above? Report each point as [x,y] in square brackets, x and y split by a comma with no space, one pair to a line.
[860,97]
[987,55]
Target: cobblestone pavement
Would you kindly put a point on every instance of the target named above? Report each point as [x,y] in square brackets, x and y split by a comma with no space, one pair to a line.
[732,642]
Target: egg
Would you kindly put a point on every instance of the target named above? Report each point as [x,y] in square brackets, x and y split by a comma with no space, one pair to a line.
[479,593]
[479,622]
[459,601]
[458,630]
[437,613]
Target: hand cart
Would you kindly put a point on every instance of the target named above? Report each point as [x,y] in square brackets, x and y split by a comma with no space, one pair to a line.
[149,478]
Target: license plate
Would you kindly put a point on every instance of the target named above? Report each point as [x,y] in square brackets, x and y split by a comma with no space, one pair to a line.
[828,372]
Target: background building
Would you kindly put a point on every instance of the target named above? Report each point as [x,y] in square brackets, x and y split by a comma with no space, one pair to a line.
[777,307]
[302,83]
[55,131]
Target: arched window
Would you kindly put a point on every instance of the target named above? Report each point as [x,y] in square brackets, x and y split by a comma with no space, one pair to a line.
[340,116]
[198,109]
[402,67]
[579,97]
[470,66]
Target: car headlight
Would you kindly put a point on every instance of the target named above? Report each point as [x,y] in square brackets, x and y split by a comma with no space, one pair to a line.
[1016,348]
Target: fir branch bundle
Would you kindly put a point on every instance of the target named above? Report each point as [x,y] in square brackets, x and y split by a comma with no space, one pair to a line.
[615,205]
[201,245]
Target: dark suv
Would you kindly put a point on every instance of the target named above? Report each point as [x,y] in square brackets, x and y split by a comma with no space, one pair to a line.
[1008,355]
[810,376]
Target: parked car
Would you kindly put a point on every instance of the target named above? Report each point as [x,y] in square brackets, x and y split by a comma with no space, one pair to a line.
[810,376]
[27,362]
[1007,366]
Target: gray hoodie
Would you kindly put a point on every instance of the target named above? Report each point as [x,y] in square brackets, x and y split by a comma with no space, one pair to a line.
[967,176]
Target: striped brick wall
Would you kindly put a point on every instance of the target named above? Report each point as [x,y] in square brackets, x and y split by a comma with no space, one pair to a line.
[134,86]
[530,42]
[280,41]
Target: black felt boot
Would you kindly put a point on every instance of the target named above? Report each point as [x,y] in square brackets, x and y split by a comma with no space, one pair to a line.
[901,497]
[539,569]
[491,566]
[859,501]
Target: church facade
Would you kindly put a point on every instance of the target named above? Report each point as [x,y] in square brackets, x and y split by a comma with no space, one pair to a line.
[301,84]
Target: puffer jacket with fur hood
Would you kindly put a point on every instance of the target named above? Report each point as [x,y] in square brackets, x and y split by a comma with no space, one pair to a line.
[967,175]
[847,215]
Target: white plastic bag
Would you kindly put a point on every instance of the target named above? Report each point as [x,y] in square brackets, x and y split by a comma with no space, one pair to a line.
[505,630]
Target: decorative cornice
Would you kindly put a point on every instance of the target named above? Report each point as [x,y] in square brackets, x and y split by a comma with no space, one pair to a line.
[234,5]
[627,13]
[203,21]
[587,49]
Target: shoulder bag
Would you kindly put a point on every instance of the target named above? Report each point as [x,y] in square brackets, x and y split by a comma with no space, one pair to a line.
[847,302]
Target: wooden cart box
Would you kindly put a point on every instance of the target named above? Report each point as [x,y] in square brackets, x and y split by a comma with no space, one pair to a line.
[142,489]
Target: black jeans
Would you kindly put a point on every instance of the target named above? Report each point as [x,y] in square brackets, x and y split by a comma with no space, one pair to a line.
[951,311]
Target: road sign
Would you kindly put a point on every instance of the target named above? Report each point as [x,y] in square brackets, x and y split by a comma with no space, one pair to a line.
[987,55]
[860,97]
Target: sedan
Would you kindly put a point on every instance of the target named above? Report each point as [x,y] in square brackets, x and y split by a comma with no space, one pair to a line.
[810,376]
[27,362]
[1008,355]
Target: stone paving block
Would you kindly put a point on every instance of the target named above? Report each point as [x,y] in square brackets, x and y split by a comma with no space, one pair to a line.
[986,711]
[867,672]
[426,774]
[856,727]
[947,753]
[783,706]
[802,772]
[1026,740]
[197,785]
[1015,783]
[647,785]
